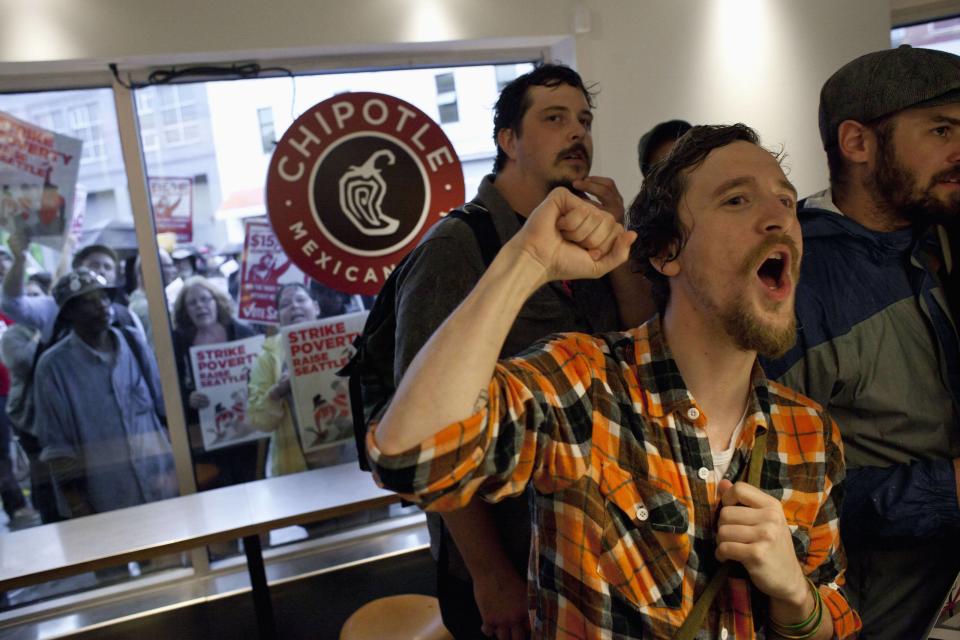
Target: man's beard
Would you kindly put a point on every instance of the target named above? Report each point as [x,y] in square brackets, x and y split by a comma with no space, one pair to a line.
[750,333]
[897,189]
[748,329]
[567,184]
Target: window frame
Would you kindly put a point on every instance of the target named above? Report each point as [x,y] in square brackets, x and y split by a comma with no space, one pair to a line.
[21,79]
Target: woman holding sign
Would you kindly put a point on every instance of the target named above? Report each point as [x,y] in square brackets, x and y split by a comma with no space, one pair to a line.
[269,399]
[203,315]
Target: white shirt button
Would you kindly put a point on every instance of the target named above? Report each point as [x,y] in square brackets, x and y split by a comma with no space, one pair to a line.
[642,514]
[704,473]
[693,413]
[724,634]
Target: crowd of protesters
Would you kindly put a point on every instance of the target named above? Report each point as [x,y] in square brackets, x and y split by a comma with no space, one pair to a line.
[86,332]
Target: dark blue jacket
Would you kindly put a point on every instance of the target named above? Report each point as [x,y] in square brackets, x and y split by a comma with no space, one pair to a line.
[877,347]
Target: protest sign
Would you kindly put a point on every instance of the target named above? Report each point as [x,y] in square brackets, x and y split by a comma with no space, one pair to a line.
[264,269]
[221,372]
[315,351]
[172,202]
[38,176]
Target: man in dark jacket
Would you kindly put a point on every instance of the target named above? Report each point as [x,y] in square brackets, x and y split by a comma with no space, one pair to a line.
[542,127]
[877,347]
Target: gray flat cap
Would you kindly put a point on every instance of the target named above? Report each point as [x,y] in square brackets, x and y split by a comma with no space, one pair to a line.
[883,82]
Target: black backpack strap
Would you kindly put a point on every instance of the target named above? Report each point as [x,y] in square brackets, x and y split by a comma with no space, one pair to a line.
[481,223]
[355,393]
[370,377]
[135,349]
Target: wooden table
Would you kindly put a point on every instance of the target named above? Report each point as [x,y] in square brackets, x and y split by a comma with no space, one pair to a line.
[244,511]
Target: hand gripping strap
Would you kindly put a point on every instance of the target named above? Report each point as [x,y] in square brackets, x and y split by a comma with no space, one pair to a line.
[699,612]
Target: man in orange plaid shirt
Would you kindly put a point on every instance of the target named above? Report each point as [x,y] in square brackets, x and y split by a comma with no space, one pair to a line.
[636,443]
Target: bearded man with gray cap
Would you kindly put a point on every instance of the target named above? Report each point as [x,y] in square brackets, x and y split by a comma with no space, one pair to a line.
[877,311]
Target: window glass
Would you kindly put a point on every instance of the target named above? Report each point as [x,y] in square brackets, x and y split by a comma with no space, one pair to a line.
[207,147]
[507,72]
[268,136]
[246,417]
[93,435]
[447,98]
[943,35]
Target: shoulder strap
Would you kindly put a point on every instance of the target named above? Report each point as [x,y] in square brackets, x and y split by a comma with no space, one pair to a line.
[698,614]
[359,371]
[59,331]
[480,222]
[135,349]
[140,356]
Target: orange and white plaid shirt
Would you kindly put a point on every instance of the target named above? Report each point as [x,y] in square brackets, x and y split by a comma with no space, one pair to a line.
[625,499]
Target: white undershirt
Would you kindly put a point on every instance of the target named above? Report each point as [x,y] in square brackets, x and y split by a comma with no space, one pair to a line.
[722,459]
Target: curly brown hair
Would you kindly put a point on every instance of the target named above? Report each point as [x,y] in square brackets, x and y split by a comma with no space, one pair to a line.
[182,321]
[655,212]
[514,101]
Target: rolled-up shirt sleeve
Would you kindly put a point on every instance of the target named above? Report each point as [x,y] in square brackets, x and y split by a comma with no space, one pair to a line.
[535,426]
[825,561]
[38,312]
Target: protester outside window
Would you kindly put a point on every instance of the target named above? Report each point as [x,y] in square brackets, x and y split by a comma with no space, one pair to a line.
[115,452]
[38,284]
[19,513]
[139,305]
[203,314]
[41,311]
[270,404]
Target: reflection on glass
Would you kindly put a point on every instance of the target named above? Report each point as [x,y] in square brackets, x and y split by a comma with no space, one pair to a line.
[203,314]
[207,148]
[80,387]
[270,397]
[943,35]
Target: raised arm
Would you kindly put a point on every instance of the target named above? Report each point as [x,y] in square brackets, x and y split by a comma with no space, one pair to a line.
[564,238]
[38,312]
[18,242]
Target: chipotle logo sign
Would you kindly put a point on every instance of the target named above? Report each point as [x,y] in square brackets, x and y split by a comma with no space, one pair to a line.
[353,185]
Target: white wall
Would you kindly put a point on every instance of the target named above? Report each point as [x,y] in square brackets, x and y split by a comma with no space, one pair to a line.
[119,30]
[758,61]
[761,62]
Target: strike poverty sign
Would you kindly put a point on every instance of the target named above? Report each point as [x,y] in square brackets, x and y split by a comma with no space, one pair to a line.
[353,185]
[316,350]
[38,178]
[222,373]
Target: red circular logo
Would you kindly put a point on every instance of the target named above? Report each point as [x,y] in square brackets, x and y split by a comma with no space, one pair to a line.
[354,184]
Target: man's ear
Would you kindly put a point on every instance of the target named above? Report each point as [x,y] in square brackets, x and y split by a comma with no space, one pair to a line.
[507,140]
[857,142]
[666,263]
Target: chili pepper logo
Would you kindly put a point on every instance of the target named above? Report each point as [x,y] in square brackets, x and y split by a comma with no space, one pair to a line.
[362,190]
[355,183]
